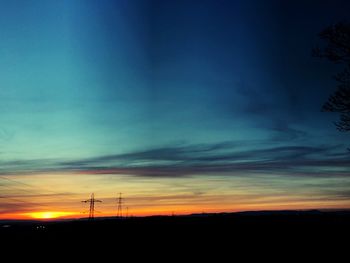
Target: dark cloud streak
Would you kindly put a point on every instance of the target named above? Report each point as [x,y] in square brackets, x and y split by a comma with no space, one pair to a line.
[187,160]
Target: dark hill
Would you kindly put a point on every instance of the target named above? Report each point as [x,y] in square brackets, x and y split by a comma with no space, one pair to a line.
[230,232]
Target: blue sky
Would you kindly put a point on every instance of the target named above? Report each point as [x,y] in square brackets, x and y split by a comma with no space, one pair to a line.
[168,89]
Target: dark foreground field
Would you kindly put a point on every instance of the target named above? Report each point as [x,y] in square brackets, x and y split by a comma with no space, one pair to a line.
[269,231]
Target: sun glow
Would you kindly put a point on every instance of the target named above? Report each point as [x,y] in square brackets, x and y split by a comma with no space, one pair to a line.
[49,214]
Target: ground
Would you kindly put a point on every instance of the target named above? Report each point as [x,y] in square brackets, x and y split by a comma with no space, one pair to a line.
[238,233]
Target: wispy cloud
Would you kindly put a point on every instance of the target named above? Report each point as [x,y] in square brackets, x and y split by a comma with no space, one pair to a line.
[189,160]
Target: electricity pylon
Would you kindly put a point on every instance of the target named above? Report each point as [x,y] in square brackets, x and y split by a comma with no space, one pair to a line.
[92,201]
[120,208]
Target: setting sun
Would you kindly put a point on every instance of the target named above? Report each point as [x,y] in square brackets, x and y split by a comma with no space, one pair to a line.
[49,214]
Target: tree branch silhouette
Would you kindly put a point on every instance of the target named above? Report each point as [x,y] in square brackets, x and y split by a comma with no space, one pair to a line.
[337,50]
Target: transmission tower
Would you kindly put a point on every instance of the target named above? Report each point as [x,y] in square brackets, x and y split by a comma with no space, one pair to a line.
[92,202]
[120,208]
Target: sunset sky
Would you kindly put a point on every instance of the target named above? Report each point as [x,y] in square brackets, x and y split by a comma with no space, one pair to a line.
[184,106]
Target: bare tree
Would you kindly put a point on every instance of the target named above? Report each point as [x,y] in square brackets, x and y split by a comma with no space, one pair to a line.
[337,50]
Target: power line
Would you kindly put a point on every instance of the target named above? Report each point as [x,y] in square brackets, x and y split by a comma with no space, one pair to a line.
[24,202]
[36,188]
[32,191]
[14,181]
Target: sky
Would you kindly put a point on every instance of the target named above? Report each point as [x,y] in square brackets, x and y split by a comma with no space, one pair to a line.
[181,106]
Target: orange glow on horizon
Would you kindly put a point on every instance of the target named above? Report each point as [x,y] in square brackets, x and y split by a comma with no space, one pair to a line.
[59,196]
[168,211]
[49,214]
